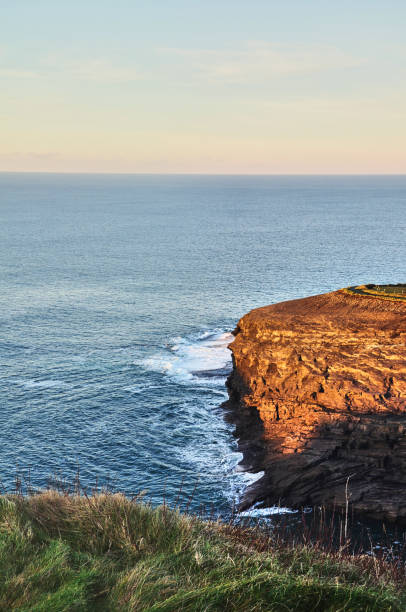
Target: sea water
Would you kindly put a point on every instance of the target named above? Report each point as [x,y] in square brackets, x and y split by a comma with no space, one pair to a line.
[118,295]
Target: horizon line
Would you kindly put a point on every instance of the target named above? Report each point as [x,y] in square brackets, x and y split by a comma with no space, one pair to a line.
[98,173]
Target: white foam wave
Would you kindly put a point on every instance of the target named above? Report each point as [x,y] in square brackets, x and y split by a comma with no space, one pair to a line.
[203,362]
[221,459]
[141,388]
[266,512]
[43,384]
[204,357]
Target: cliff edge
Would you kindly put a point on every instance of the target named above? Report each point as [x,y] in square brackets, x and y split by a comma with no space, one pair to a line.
[318,393]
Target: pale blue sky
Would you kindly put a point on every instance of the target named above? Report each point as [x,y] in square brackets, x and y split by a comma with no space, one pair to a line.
[221,86]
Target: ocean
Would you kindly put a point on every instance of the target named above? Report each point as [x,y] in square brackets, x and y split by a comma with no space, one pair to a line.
[118,295]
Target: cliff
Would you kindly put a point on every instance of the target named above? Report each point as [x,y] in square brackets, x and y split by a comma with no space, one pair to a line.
[318,393]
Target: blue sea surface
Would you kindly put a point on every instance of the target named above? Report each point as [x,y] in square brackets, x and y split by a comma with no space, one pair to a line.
[118,294]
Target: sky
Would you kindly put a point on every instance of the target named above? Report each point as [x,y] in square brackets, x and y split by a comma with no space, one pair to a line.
[186,86]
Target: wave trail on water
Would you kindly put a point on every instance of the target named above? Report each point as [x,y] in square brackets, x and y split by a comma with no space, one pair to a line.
[41,384]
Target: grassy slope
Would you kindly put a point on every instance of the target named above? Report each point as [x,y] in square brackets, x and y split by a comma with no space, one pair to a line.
[60,552]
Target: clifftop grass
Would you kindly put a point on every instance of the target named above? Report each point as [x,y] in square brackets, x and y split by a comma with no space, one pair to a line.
[383,292]
[106,552]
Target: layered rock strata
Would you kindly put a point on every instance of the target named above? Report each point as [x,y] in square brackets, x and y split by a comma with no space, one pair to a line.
[318,393]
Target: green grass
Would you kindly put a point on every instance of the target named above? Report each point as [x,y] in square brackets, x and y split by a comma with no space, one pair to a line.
[386,292]
[398,290]
[106,552]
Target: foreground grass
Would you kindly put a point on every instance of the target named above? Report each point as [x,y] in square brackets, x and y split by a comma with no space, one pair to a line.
[105,552]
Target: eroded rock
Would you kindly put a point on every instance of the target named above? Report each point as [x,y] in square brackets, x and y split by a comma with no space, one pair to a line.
[326,375]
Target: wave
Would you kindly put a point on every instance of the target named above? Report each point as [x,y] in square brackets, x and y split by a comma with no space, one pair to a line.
[202,362]
[202,357]
[140,388]
[256,512]
[43,384]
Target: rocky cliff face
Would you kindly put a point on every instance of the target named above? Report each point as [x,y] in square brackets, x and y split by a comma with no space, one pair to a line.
[318,393]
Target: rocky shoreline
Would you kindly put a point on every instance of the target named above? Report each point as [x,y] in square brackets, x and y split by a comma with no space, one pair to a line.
[318,397]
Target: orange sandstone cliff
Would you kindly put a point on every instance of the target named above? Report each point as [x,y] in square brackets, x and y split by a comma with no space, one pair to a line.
[318,394]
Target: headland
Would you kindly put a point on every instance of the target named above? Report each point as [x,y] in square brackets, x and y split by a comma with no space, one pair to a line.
[318,395]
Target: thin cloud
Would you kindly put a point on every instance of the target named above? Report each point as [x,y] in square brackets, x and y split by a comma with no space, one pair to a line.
[262,60]
[87,70]
[102,71]
[15,73]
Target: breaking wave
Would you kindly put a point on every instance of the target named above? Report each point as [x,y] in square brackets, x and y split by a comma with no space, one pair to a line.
[202,358]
